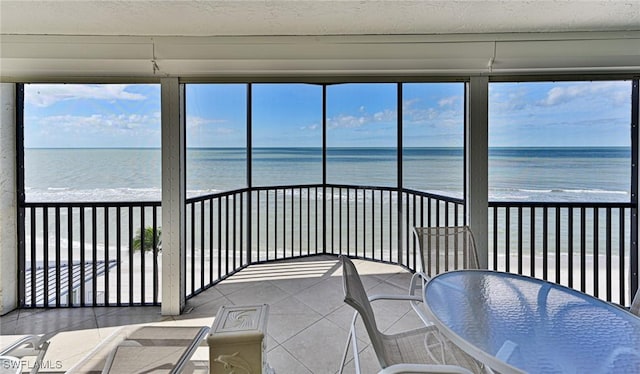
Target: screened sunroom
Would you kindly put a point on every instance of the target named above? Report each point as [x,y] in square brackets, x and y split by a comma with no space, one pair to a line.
[150,161]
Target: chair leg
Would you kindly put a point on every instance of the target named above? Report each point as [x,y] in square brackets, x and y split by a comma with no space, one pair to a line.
[356,355]
[344,355]
[352,338]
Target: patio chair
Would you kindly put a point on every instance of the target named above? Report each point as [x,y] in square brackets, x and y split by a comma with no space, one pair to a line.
[145,349]
[445,248]
[440,249]
[156,349]
[635,304]
[27,346]
[421,350]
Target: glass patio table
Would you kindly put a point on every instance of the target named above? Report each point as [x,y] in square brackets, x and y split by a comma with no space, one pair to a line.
[514,324]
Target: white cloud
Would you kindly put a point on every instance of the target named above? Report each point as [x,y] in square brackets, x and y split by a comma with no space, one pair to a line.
[346,121]
[386,115]
[415,116]
[362,119]
[514,99]
[201,128]
[408,105]
[448,101]
[617,92]
[43,95]
[447,114]
[196,122]
[312,127]
[98,123]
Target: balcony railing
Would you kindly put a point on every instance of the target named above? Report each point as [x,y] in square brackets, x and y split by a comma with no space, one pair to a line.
[295,221]
[89,257]
[82,254]
[588,246]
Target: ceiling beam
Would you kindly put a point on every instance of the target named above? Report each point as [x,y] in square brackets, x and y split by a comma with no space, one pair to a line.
[48,57]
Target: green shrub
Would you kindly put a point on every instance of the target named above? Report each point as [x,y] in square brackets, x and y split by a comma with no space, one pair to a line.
[148,240]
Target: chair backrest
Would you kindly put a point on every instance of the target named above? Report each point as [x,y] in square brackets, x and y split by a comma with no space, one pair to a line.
[446,248]
[356,296]
[635,304]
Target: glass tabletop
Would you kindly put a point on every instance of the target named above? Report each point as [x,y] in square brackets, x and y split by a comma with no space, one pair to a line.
[516,323]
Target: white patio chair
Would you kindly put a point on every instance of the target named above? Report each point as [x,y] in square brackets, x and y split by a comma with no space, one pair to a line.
[445,248]
[635,304]
[156,349]
[27,346]
[440,249]
[421,350]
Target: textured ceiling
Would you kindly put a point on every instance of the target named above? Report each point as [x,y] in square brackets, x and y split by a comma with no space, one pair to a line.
[212,18]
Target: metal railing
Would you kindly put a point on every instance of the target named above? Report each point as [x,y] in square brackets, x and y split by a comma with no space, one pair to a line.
[89,256]
[591,247]
[228,231]
[83,254]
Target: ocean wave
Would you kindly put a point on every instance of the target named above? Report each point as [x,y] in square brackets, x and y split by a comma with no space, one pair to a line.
[55,194]
[202,192]
[557,195]
[95,194]
[534,191]
[592,191]
[559,190]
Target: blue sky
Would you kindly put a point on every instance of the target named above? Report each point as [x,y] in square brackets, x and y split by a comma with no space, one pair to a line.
[363,115]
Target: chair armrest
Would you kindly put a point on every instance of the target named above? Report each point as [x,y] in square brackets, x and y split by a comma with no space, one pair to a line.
[420,368]
[395,297]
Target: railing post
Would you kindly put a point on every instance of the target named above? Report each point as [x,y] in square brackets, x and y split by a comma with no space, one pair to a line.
[249,182]
[476,168]
[400,176]
[635,159]
[173,197]
[324,172]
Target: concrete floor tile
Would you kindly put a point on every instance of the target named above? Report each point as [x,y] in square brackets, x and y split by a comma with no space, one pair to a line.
[205,297]
[112,320]
[8,325]
[369,363]
[409,321]
[401,280]
[342,316]
[284,363]
[298,283]
[209,309]
[288,317]
[270,342]
[128,310]
[230,285]
[258,293]
[324,297]
[388,312]
[379,269]
[56,322]
[319,348]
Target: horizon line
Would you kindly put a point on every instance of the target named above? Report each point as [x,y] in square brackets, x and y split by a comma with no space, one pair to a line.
[352,147]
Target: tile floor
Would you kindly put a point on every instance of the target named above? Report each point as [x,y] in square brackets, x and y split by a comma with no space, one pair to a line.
[307,324]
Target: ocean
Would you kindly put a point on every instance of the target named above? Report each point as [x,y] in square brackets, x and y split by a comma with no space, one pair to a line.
[134,175]
[585,174]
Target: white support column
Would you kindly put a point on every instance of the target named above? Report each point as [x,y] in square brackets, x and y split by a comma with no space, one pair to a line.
[8,201]
[173,197]
[477,173]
